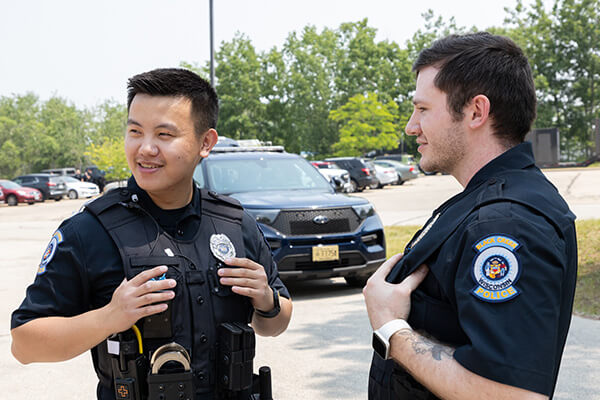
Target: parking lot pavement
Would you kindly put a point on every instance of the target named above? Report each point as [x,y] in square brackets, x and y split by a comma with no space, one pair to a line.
[326,352]
[413,202]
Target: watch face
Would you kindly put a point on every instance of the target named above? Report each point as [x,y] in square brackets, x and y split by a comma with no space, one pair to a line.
[379,346]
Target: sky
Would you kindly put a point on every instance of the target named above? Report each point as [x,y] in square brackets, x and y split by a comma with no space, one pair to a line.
[84,51]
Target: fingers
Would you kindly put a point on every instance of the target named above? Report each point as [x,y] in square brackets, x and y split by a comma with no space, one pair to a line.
[387,266]
[148,274]
[414,280]
[243,263]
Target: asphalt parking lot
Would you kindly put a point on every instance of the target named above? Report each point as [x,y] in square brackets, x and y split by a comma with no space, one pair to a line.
[325,354]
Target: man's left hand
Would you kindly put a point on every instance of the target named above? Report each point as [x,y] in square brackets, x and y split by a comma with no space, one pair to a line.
[387,301]
[248,279]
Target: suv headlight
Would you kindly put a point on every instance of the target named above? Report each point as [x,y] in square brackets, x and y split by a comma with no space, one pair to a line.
[364,210]
[265,216]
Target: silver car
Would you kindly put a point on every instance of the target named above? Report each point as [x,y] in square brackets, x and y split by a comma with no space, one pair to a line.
[405,172]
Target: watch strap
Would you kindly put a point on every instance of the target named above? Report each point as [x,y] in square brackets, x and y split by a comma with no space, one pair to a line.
[276,307]
[391,327]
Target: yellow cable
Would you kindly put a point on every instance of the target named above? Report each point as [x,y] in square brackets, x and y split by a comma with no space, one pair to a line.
[139,338]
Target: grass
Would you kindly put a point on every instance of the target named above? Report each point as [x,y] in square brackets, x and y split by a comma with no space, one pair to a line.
[587,294]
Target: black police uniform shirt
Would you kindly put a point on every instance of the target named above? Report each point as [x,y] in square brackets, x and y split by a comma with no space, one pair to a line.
[502,256]
[82,266]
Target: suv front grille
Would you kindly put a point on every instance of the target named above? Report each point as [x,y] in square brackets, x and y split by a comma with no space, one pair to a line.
[301,222]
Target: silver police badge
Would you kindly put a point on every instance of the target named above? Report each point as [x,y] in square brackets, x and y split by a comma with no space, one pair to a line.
[221,247]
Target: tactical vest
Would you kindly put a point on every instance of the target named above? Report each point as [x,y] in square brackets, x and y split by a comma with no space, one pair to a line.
[439,318]
[200,302]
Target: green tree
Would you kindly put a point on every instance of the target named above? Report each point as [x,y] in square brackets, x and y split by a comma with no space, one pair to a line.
[365,124]
[238,74]
[110,157]
[563,47]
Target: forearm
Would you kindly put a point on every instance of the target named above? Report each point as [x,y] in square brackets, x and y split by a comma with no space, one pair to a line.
[433,365]
[51,339]
[274,326]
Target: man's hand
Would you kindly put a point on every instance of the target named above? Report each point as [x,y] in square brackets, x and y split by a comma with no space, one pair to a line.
[136,298]
[250,280]
[386,301]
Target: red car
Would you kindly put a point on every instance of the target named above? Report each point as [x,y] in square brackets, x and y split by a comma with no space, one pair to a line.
[15,193]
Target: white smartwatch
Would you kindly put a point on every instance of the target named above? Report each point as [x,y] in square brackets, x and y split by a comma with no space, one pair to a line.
[381,337]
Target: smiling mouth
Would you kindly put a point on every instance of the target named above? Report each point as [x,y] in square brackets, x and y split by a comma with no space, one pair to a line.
[149,166]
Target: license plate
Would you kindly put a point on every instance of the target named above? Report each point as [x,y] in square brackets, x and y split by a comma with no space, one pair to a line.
[326,253]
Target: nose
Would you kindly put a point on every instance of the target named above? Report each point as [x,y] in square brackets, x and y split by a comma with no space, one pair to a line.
[148,147]
[412,126]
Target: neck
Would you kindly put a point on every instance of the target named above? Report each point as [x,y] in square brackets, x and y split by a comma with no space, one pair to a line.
[171,200]
[475,160]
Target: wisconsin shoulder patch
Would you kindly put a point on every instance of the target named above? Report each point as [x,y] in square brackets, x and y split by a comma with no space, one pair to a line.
[56,239]
[496,268]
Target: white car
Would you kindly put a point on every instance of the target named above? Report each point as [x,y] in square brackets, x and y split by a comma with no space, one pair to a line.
[386,175]
[77,188]
[339,178]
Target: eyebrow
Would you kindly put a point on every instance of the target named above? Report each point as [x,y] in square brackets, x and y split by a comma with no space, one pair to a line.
[164,125]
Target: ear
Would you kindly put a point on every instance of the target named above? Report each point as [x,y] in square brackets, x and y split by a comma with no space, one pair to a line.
[478,111]
[209,140]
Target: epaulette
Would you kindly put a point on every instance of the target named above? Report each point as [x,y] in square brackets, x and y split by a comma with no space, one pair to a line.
[107,200]
[221,206]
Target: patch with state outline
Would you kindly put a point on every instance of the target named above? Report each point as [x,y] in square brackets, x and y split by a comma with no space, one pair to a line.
[496,268]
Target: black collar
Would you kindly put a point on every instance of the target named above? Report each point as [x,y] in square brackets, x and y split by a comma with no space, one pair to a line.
[189,210]
[518,157]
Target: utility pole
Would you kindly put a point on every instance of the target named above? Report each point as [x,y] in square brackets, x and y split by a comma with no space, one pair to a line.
[212,49]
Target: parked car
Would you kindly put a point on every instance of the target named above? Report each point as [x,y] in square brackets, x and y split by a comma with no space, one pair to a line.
[313,231]
[386,175]
[1,195]
[60,171]
[339,178]
[49,185]
[360,174]
[77,188]
[405,172]
[15,193]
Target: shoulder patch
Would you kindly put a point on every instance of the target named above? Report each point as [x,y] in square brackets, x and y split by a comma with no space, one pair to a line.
[496,268]
[56,239]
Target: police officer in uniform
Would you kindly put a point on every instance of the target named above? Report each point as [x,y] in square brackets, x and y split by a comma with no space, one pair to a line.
[160,259]
[479,304]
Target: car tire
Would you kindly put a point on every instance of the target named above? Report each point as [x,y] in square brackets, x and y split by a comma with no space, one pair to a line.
[58,198]
[358,281]
[31,203]
[374,186]
[73,194]
[12,200]
[353,186]
[401,182]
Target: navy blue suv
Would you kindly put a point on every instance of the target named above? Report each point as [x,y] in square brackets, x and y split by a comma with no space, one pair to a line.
[313,231]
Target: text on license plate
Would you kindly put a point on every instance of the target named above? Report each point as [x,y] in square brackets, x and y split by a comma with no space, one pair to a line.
[325,253]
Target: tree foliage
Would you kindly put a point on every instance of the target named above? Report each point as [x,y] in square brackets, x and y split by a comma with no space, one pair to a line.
[334,90]
[110,157]
[365,124]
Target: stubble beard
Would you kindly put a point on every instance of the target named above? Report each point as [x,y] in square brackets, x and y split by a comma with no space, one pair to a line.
[447,153]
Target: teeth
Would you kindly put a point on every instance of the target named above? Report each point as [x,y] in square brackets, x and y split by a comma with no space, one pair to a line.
[148,166]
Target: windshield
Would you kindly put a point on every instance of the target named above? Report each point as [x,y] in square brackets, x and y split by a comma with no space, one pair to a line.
[234,176]
[10,185]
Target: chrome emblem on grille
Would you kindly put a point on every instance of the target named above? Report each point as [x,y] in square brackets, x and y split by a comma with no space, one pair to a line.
[320,219]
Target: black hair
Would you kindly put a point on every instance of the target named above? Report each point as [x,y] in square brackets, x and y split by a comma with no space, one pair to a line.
[482,63]
[179,82]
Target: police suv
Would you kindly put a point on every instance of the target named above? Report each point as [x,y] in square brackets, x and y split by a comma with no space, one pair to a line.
[313,231]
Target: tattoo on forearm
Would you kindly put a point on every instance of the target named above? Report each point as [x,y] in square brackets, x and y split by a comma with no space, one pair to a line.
[422,344]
